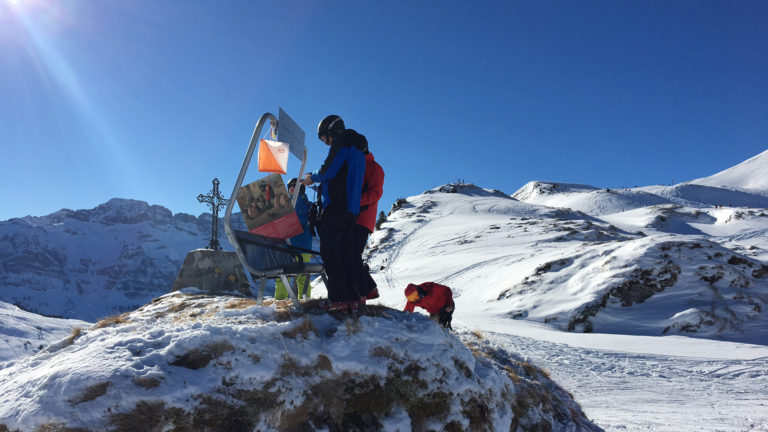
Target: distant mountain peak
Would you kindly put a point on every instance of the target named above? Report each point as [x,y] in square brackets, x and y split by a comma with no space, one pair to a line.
[536,188]
[95,262]
[467,189]
[114,211]
[129,211]
[750,175]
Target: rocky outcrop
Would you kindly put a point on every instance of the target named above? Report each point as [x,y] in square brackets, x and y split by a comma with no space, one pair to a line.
[214,363]
[214,272]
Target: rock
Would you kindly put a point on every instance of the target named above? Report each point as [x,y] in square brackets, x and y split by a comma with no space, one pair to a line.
[215,272]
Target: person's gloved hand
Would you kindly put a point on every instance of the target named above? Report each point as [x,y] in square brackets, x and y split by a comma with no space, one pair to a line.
[313,219]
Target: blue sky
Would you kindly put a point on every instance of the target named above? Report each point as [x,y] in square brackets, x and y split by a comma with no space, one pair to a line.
[152,99]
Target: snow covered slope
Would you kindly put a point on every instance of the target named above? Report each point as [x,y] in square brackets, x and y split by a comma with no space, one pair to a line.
[503,257]
[693,195]
[599,202]
[587,199]
[195,362]
[24,333]
[744,185]
[88,264]
[751,174]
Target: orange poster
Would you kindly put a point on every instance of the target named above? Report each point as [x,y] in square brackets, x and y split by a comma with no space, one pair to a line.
[267,209]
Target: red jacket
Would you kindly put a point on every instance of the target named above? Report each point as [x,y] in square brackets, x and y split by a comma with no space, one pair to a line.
[373,187]
[437,296]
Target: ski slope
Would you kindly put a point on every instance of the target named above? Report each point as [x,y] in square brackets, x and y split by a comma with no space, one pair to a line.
[750,175]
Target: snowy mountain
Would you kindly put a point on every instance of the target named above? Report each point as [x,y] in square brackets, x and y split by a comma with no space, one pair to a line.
[587,199]
[657,270]
[598,202]
[194,362]
[87,264]
[751,175]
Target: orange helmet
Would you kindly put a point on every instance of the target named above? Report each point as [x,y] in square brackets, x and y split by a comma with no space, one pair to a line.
[412,292]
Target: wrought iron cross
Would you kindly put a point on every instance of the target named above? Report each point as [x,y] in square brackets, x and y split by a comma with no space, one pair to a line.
[215,200]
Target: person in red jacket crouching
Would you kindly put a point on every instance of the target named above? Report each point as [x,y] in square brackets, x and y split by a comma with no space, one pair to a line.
[435,298]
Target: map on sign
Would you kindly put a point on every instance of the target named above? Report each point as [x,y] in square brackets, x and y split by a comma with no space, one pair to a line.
[290,132]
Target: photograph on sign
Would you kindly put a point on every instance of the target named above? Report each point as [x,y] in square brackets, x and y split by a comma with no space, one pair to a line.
[267,209]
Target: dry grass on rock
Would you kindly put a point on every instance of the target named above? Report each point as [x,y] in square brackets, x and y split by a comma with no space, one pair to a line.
[304,328]
[147,382]
[240,303]
[90,393]
[76,332]
[112,320]
[199,358]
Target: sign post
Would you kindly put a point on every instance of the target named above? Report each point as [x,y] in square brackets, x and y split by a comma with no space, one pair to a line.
[290,132]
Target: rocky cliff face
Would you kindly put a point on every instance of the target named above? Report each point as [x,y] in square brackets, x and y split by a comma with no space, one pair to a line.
[88,264]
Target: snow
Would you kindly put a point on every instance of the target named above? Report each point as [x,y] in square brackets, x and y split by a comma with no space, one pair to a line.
[205,353]
[660,384]
[587,199]
[504,257]
[555,250]
[24,333]
[750,174]
[665,296]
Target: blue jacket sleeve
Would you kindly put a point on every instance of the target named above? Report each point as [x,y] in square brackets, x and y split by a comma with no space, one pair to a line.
[302,210]
[333,168]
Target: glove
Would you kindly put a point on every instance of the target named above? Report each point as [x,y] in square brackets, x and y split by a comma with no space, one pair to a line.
[446,316]
[314,219]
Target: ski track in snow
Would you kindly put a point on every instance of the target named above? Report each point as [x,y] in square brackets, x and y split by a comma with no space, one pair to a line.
[678,393]
[389,274]
[471,267]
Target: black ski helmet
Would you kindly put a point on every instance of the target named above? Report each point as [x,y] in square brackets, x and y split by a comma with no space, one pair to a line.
[330,126]
[292,183]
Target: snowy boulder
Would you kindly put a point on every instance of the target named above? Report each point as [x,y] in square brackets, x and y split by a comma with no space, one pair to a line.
[188,361]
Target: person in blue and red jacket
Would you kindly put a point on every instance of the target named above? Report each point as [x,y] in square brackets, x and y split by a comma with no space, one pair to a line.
[341,182]
[435,298]
[373,188]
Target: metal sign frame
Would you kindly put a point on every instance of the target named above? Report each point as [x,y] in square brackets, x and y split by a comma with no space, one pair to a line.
[293,134]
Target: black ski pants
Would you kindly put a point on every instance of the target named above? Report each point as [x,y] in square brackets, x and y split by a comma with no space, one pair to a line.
[338,253]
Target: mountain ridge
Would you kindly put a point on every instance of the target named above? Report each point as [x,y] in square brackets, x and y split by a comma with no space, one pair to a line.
[88,264]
